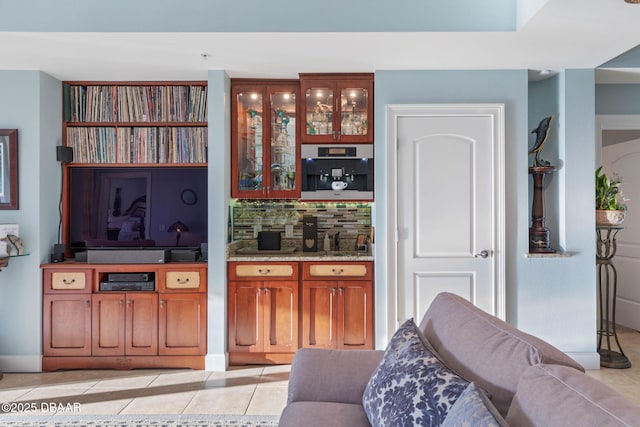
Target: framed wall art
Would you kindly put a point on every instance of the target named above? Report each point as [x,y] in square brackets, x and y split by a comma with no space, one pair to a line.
[8,168]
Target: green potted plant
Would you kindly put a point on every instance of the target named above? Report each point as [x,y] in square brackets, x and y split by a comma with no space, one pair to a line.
[610,207]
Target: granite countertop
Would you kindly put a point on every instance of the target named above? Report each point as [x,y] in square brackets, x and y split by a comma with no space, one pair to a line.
[289,254]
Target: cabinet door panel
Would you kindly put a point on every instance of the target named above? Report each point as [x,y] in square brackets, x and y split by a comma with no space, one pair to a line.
[183,319]
[245,316]
[142,324]
[355,314]
[108,325]
[319,320]
[67,325]
[264,139]
[281,316]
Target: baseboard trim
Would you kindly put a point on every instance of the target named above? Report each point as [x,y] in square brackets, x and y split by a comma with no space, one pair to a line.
[216,362]
[588,361]
[627,313]
[21,363]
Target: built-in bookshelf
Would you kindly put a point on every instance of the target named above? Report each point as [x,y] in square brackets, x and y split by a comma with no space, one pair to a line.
[136,122]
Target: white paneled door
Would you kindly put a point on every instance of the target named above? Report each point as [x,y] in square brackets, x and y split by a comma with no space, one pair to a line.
[449,219]
[623,160]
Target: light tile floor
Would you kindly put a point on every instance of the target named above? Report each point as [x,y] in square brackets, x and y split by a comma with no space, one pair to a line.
[626,381]
[251,390]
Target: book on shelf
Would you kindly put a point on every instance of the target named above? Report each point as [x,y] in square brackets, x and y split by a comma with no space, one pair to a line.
[138,144]
[111,110]
[131,103]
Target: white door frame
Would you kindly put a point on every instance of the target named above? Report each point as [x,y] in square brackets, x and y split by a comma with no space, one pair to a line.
[394,112]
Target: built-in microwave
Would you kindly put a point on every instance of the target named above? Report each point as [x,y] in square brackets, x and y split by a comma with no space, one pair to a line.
[337,172]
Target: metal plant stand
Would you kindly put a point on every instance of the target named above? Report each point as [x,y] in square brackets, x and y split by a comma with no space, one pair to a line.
[607,291]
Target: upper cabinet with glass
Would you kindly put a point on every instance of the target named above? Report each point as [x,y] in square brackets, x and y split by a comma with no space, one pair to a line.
[265,152]
[337,108]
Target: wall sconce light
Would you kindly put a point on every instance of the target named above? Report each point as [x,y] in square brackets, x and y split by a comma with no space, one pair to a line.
[178,227]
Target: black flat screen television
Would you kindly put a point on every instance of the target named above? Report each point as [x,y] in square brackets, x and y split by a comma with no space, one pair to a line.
[137,207]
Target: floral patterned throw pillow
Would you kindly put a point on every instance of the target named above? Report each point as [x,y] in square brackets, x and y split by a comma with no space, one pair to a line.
[473,409]
[411,387]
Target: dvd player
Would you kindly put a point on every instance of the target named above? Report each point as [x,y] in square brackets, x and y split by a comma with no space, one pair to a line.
[128,286]
[130,277]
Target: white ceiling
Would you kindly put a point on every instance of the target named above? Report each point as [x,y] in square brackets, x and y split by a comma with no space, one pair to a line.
[562,34]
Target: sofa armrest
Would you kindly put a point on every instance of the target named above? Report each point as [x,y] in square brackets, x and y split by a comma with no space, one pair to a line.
[331,375]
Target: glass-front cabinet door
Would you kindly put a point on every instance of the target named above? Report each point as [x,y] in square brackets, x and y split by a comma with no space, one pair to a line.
[265,147]
[337,108]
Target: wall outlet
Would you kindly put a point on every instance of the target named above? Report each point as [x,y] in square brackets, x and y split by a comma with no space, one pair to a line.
[256,229]
[288,230]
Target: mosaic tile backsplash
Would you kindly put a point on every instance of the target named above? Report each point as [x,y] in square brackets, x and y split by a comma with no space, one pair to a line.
[350,219]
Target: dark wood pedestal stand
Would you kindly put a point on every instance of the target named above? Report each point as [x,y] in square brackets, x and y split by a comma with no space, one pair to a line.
[607,294]
[538,233]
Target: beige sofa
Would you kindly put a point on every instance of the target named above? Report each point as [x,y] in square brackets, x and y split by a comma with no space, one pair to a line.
[530,382]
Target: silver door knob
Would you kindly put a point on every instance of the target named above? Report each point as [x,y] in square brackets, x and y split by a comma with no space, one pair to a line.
[483,254]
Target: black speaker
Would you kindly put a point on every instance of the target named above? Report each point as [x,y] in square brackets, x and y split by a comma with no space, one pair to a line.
[309,234]
[64,154]
[58,253]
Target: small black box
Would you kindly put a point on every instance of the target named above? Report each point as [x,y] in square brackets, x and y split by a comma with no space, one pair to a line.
[309,234]
[185,255]
[64,154]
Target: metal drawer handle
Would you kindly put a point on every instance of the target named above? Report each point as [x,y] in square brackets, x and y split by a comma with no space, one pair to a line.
[182,281]
[337,271]
[266,271]
[68,282]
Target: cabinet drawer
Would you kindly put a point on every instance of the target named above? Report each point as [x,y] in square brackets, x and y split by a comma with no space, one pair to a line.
[68,280]
[239,271]
[183,280]
[76,281]
[187,280]
[342,270]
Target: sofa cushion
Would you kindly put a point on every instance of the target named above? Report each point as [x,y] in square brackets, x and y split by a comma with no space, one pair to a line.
[558,396]
[323,414]
[473,409]
[410,386]
[483,348]
[331,375]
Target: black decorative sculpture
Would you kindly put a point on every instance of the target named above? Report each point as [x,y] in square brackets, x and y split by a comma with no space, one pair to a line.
[542,132]
[538,233]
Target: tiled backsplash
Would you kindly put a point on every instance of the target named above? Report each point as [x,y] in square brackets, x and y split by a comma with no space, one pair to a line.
[350,219]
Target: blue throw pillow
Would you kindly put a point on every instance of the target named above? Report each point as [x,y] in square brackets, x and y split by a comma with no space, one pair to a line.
[411,387]
[473,409]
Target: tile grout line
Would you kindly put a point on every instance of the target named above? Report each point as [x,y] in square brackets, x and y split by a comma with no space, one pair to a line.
[255,387]
[196,392]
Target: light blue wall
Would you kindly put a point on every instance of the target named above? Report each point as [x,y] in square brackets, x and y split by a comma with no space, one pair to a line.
[257,15]
[555,299]
[543,102]
[552,298]
[30,103]
[219,193]
[425,87]
[618,99]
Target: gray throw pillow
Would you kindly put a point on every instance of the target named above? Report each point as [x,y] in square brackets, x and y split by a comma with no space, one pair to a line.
[410,387]
[473,409]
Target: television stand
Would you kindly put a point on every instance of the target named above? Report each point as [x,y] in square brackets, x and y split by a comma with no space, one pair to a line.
[85,327]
